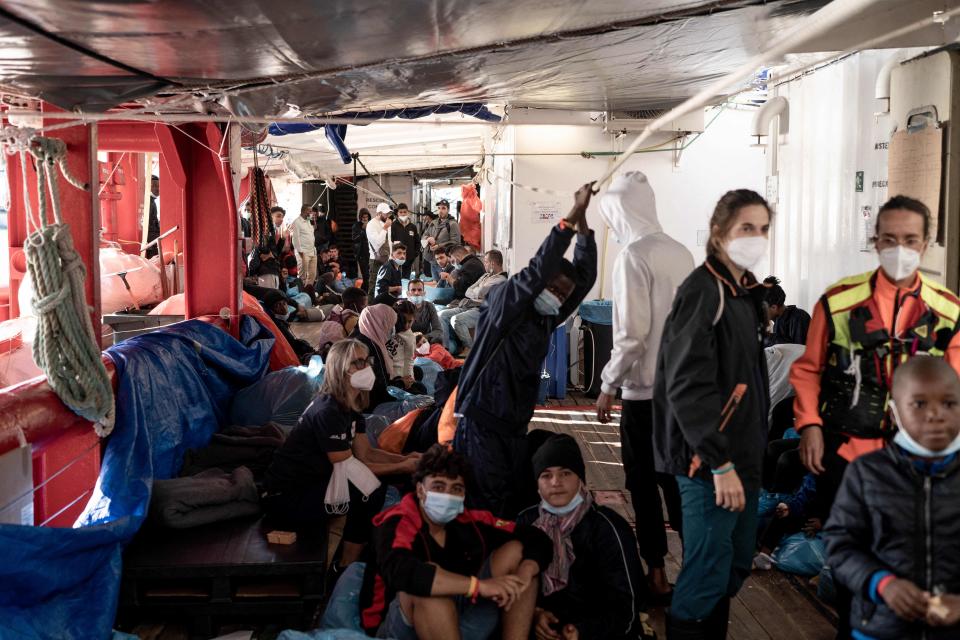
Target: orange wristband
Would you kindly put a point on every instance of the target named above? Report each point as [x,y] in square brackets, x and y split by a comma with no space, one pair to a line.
[474,589]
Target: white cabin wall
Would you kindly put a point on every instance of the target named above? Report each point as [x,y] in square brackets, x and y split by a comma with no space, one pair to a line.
[821,229]
[720,159]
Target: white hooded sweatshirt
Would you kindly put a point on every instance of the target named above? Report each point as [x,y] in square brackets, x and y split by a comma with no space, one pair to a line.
[648,271]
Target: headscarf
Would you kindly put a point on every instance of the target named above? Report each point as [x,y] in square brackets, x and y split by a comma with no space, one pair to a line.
[377,322]
[559,528]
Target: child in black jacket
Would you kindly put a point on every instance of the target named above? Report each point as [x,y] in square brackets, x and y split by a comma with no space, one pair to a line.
[893,537]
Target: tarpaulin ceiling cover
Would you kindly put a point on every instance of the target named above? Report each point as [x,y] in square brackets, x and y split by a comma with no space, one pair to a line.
[262,57]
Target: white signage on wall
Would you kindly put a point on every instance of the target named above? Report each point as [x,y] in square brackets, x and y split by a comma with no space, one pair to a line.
[548,212]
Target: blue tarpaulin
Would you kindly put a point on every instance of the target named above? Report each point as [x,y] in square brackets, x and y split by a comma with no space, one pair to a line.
[174,390]
[336,133]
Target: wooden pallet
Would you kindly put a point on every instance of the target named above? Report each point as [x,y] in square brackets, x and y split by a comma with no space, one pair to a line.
[225,571]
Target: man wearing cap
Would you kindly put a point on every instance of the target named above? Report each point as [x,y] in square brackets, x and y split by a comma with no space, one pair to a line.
[588,591]
[444,232]
[379,239]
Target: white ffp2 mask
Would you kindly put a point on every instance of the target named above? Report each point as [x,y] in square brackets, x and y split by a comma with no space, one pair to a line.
[899,262]
[747,252]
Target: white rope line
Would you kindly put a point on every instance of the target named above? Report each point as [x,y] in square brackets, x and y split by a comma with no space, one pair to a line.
[832,15]
[112,171]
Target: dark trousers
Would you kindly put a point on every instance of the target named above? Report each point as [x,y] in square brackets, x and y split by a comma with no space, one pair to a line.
[371,282]
[644,483]
[779,527]
[363,269]
[828,483]
[305,511]
[496,460]
[717,549]
[782,469]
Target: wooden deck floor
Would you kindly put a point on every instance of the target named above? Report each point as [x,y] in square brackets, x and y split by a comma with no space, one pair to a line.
[771,605]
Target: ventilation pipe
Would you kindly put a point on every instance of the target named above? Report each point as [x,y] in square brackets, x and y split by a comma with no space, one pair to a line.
[772,108]
[882,90]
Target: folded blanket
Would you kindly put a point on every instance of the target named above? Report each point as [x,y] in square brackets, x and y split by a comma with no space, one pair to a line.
[251,447]
[209,496]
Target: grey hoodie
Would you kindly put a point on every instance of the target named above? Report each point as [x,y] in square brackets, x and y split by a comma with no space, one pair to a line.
[646,275]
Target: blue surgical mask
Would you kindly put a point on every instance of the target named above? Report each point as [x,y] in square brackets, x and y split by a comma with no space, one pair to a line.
[399,262]
[415,299]
[442,508]
[562,511]
[906,441]
[291,310]
[547,304]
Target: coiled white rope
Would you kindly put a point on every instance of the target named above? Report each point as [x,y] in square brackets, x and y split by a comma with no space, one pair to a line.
[65,347]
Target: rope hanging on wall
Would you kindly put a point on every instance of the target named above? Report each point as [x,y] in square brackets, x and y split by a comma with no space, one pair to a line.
[260,223]
[65,347]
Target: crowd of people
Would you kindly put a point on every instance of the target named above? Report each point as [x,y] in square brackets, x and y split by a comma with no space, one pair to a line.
[725,391]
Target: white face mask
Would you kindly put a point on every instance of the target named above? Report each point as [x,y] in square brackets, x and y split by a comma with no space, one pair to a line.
[747,252]
[899,262]
[404,219]
[906,441]
[363,379]
[424,349]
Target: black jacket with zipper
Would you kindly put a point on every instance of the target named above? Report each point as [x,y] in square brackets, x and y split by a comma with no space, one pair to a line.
[604,595]
[699,365]
[890,515]
[471,270]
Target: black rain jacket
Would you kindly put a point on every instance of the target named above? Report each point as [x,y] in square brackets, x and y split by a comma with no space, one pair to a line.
[606,591]
[702,359]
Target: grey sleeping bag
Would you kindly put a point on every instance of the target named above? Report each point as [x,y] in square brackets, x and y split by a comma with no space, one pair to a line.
[209,496]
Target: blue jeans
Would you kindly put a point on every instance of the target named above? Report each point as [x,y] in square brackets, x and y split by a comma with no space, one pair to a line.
[446,317]
[462,323]
[718,549]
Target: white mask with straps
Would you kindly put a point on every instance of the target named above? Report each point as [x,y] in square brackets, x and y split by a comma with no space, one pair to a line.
[899,262]
[747,252]
[906,441]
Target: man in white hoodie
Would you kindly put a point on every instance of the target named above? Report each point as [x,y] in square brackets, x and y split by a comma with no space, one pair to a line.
[646,275]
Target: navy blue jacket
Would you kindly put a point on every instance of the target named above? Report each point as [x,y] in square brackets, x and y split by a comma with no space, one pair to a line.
[501,378]
[790,328]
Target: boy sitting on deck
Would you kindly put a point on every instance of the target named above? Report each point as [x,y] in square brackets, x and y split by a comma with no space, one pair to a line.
[893,537]
[444,572]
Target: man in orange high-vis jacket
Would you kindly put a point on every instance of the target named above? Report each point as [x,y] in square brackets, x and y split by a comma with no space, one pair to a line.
[862,328]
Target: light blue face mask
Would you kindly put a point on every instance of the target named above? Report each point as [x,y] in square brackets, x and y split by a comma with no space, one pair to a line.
[442,508]
[562,511]
[547,304]
[906,441]
[291,310]
[400,263]
[415,299]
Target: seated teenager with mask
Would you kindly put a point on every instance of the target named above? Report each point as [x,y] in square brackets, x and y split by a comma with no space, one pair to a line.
[425,320]
[441,571]
[590,590]
[501,378]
